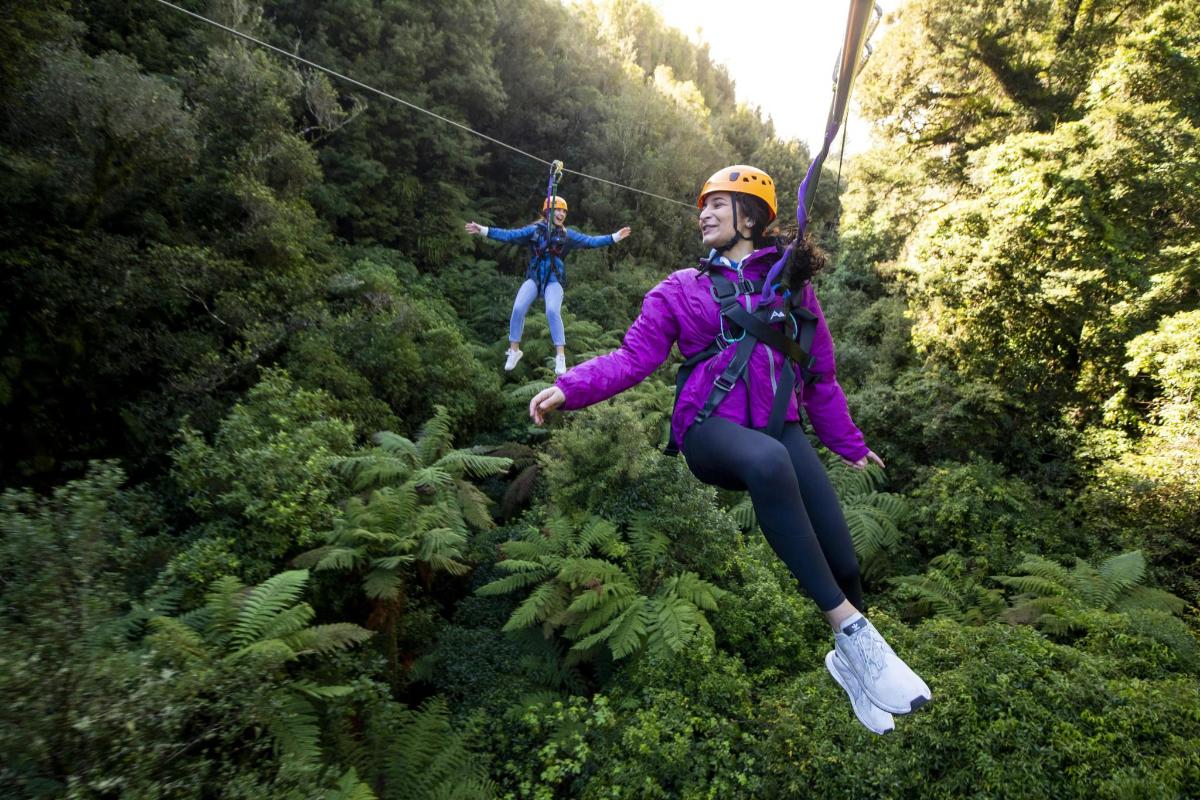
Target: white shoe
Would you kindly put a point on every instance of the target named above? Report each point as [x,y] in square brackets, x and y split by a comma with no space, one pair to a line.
[887,680]
[560,364]
[512,357]
[872,717]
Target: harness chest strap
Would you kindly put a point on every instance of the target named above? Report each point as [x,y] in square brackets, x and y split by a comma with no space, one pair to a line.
[755,328]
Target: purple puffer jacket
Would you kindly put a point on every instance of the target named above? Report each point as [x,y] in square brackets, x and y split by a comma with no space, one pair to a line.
[681,309]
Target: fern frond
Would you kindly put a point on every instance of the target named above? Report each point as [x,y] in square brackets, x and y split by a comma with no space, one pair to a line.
[1033,585]
[396,446]
[1046,569]
[624,635]
[934,590]
[475,506]
[287,622]
[675,623]
[222,604]
[382,584]
[648,543]
[176,639]
[269,653]
[435,437]
[1151,599]
[534,548]
[392,563]
[475,465]
[294,728]
[545,601]
[512,583]
[596,532]
[609,605]
[432,478]
[349,787]
[439,545]
[743,514]
[322,639]
[1124,571]
[341,558]
[584,571]
[372,470]
[264,602]
[691,587]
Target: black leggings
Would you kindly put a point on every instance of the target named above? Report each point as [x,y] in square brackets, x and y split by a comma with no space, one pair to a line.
[796,505]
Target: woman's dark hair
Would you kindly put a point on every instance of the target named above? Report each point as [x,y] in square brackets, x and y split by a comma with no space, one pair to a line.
[754,209]
[806,259]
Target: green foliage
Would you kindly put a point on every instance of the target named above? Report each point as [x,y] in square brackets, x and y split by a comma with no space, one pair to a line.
[417,753]
[952,587]
[974,510]
[600,590]
[417,506]
[265,474]
[1062,601]
[1014,716]
[261,631]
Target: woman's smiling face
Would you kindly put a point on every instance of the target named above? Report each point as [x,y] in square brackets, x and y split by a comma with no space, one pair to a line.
[716,219]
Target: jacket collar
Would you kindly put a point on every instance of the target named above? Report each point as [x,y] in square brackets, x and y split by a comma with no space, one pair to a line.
[754,265]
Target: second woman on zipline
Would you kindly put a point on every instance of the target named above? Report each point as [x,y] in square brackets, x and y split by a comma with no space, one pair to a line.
[749,354]
[544,277]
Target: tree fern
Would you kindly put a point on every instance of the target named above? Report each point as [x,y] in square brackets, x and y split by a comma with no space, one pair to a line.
[418,508]
[262,628]
[417,755]
[948,589]
[1059,600]
[266,602]
[601,589]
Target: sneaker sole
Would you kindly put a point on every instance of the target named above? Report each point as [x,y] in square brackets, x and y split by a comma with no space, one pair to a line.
[837,677]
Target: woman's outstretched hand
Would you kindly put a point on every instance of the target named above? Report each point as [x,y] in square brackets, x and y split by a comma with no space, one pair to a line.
[862,462]
[622,234]
[473,228]
[544,401]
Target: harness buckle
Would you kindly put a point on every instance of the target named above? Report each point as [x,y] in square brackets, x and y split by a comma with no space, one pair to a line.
[745,286]
[719,298]
[724,384]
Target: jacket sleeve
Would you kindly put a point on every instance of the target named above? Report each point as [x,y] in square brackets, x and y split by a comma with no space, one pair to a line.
[646,345]
[824,401]
[513,235]
[582,241]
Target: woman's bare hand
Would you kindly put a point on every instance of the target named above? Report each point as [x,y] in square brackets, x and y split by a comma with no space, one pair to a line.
[862,462]
[545,401]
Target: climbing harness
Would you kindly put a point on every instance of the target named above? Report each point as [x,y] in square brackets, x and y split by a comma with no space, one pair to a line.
[795,341]
[549,243]
[744,330]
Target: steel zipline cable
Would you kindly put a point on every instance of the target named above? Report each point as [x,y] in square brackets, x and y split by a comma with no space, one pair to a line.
[413,106]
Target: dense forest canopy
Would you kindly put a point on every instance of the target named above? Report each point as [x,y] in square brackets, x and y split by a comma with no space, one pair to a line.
[274,522]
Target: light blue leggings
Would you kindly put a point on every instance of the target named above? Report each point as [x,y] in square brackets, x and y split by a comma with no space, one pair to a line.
[525,297]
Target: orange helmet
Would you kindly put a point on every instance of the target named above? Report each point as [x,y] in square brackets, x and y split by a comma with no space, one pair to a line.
[741,178]
[559,202]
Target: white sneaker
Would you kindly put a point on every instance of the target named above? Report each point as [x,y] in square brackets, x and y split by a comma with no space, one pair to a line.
[511,359]
[560,364]
[886,679]
[872,717]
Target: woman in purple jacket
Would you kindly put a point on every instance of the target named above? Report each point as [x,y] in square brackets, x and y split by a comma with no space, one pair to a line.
[738,427]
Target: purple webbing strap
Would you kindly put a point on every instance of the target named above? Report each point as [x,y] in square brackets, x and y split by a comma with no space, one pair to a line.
[802,204]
